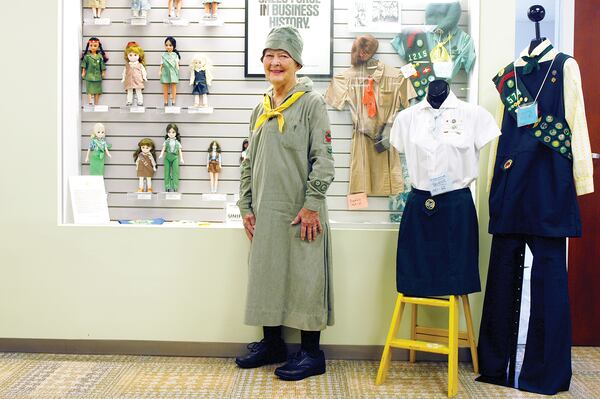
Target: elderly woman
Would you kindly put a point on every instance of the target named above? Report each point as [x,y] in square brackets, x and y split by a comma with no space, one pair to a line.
[283,189]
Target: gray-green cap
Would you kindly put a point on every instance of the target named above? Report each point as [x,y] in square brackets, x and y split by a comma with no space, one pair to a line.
[285,38]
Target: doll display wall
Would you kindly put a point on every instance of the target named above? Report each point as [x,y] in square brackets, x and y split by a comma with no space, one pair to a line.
[230,94]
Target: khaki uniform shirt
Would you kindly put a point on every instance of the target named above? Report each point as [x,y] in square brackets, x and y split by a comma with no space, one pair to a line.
[372,172]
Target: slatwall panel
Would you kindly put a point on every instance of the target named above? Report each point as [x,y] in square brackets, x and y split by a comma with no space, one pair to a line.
[233,98]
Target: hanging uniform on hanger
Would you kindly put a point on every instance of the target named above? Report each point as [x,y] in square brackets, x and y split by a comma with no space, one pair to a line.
[375,92]
[541,163]
[438,240]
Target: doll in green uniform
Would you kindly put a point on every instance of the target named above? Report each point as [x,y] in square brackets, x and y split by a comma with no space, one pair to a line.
[93,69]
[98,149]
[172,146]
[169,70]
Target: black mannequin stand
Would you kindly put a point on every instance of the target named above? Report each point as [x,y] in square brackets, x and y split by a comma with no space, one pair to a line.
[437,93]
[535,14]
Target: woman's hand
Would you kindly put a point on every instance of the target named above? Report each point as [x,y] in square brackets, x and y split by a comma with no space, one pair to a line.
[249,221]
[310,224]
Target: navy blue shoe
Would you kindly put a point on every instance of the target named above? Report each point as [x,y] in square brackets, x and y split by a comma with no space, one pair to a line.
[262,353]
[301,365]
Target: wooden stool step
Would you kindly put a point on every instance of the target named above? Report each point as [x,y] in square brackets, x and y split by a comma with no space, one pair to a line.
[430,339]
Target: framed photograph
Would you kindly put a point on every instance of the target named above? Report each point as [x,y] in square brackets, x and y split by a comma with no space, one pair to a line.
[312,18]
[374,16]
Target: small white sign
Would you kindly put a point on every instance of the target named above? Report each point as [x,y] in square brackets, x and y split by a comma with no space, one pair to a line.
[172,110]
[101,21]
[214,197]
[138,21]
[173,196]
[232,213]
[88,200]
[137,109]
[177,21]
[200,110]
[408,70]
[439,184]
[374,16]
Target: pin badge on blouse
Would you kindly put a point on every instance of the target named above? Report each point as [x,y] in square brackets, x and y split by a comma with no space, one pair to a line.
[508,164]
[429,204]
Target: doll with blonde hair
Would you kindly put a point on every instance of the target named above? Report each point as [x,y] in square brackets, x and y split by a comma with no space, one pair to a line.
[200,78]
[145,164]
[134,73]
[98,148]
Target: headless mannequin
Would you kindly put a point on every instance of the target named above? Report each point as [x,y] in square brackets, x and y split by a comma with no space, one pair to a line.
[535,14]
[437,93]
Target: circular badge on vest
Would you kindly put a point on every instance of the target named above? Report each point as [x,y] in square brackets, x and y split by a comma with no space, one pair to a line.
[561,137]
[420,43]
[420,93]
[567,132]
[553,80]
[549,119]
[430,204]
[552,132]
[544,125]
[563,150]
[555,144]
[508,164]
[547,139]
[567,143]
[554,72]
[558,125]
[417,84]
[538,133]
[431,78]
[424,82]
[510,83]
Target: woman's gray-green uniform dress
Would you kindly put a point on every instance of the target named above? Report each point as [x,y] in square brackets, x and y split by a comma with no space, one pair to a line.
[93,65]
[289,280]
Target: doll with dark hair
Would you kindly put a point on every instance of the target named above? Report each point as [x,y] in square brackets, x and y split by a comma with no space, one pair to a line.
[213,164]
[172,146]
[145,164]
[363,49]
[244,154]
[169,70]
[93,69]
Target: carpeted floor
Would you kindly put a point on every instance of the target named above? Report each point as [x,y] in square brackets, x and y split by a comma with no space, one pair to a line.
[46,376]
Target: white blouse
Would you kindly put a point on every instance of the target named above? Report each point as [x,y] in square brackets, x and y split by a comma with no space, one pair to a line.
[443,142]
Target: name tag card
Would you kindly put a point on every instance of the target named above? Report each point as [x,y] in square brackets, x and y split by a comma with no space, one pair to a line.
[443,69]
[439,184]
[527,115]
[357,201]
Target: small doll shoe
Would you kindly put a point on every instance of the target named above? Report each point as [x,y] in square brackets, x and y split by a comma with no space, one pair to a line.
[140,190]
[149,190]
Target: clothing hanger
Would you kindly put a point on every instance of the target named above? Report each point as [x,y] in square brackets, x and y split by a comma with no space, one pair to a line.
[535,14]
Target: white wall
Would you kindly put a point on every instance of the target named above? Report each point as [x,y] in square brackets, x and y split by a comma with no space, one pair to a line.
[153,283]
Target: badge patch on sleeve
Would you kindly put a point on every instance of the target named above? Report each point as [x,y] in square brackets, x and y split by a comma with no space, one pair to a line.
[328,136]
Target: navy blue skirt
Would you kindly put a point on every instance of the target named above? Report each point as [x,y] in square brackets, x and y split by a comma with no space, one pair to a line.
[438,245]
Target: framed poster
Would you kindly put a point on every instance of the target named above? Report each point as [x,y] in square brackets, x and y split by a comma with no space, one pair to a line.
[374,16]
[312,18]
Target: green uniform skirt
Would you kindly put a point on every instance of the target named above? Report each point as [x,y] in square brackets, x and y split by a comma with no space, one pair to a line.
[93,87]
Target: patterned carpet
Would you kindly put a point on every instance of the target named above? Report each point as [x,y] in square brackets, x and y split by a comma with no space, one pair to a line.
[46,376]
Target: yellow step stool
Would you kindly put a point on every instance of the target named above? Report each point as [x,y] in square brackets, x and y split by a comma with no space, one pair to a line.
[427,339]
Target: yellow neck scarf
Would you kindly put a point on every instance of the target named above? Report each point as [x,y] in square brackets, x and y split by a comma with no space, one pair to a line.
[440,53]
[269,113]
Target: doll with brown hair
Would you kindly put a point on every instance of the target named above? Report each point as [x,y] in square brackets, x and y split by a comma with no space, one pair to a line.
[93,69]
[213,164]
[145,164]
[244,154]
[210,9]
[169,70]
[97,7]
[134,73]
[363,49]
[98,148]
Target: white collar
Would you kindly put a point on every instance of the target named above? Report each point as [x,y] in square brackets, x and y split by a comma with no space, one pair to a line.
[549,56]
[450,102]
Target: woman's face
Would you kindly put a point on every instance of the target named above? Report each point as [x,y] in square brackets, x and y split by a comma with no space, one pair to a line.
[172,133]
[169,46]
[280,68]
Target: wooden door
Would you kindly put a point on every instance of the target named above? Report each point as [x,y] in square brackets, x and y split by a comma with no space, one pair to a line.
[584,252]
